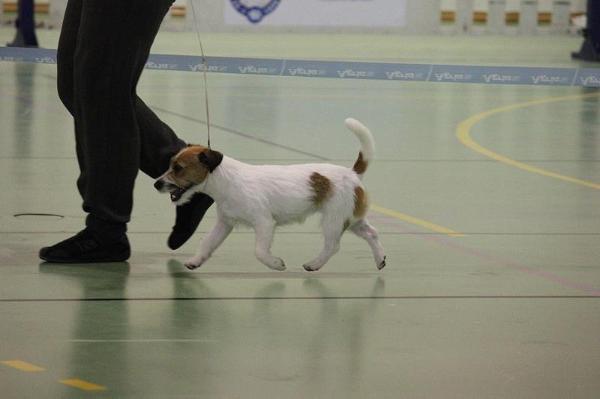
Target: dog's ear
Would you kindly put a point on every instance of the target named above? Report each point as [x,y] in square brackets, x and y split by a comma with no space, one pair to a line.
[211,159]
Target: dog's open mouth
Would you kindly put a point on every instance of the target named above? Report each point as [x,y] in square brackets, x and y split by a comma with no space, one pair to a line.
[177,193]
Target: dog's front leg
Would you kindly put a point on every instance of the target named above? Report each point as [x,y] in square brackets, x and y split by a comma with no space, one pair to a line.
[264,231]
[210,242]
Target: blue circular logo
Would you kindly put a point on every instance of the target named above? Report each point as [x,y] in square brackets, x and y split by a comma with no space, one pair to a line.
[255,13]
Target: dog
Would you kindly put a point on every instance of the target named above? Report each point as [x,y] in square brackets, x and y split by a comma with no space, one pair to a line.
[266,196]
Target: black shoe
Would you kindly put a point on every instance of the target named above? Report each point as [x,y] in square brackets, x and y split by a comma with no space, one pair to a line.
[18,44]
[188,218]
[88,247]
[589,51]
[19,41]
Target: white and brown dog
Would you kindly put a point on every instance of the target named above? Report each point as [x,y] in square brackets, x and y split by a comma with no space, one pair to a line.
[265,196]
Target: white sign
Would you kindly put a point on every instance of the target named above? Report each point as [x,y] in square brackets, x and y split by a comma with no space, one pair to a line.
[321,13]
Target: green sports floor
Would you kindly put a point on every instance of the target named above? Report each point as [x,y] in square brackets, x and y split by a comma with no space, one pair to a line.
[487,199]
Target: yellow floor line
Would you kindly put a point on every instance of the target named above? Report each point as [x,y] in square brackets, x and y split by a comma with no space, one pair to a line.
[83,385]
[23,366]
[416,221]
[463,132]
[73,382]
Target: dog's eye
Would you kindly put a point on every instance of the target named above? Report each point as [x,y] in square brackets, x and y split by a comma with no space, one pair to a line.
[177,168]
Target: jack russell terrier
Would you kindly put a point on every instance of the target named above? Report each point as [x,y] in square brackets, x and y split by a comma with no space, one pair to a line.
[266,196]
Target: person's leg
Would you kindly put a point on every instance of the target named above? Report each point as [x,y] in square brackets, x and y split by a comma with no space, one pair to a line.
[112,41]
[65,55]
[158,143]
[593,23]
[25,26]
[590,49]
[19,40]
[27,22]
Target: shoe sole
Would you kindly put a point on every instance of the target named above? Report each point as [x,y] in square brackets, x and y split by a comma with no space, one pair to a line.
[71,260]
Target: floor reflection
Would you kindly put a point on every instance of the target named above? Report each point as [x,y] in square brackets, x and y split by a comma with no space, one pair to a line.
[101,318]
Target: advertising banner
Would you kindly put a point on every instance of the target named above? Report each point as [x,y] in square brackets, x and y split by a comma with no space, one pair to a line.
[318,13]
[487,75]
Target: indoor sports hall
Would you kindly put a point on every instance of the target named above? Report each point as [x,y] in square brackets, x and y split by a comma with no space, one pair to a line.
[484,188]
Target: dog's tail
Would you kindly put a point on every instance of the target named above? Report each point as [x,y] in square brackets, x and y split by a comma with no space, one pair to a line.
[367,144]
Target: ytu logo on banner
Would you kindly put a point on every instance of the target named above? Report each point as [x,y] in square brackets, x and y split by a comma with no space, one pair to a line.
[255,10]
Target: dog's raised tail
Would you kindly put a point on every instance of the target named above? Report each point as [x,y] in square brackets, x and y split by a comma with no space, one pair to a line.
[367,144]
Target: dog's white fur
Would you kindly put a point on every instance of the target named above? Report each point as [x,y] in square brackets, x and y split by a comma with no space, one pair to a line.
[266,196]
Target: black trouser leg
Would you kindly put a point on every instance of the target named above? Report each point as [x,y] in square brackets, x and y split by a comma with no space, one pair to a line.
[67,43]
[103,47]
[590,49]
[25,25]
[26,22]
[158,141]
[593,22]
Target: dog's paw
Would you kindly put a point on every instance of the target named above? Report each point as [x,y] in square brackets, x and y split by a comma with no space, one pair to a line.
[277,264]
[381,264]
[194,263]
[311,267]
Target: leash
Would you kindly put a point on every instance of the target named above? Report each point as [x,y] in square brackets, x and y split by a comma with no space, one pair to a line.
[204,71]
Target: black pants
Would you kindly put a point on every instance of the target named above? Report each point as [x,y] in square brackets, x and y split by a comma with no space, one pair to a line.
[103,47]
[593,22]
[25,25]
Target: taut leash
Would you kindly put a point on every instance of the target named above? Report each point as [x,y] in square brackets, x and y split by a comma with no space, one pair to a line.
[204,71]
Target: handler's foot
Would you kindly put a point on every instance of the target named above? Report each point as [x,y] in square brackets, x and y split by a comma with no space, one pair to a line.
[88,247]
[188,218]
[19,41]
[590,51]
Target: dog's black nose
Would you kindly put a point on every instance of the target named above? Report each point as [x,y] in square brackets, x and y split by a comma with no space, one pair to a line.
[159,185]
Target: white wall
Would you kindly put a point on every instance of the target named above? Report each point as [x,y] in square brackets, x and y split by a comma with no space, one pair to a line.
[423,16]
[515,5]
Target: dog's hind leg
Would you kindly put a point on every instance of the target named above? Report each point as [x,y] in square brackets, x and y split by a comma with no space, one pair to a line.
[210,242]
[332,232]
[264,231]
[364,230]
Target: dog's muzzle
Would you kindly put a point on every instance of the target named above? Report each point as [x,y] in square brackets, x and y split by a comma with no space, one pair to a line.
[175,191]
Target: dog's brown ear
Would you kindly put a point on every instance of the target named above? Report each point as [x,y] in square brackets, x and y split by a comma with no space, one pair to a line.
[211,159]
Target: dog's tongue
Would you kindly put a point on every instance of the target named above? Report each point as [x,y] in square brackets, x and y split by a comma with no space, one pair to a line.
[176,195]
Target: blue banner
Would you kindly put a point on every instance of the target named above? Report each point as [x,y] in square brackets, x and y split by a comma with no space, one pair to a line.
[494,75]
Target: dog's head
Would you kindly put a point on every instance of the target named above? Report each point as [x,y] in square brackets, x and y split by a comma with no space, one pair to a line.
[188,169]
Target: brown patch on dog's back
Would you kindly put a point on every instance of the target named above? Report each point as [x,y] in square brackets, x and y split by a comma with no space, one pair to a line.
[321,187]
[360,166]
[360,202]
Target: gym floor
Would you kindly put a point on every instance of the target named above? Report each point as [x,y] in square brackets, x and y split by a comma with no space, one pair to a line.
[486,199]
